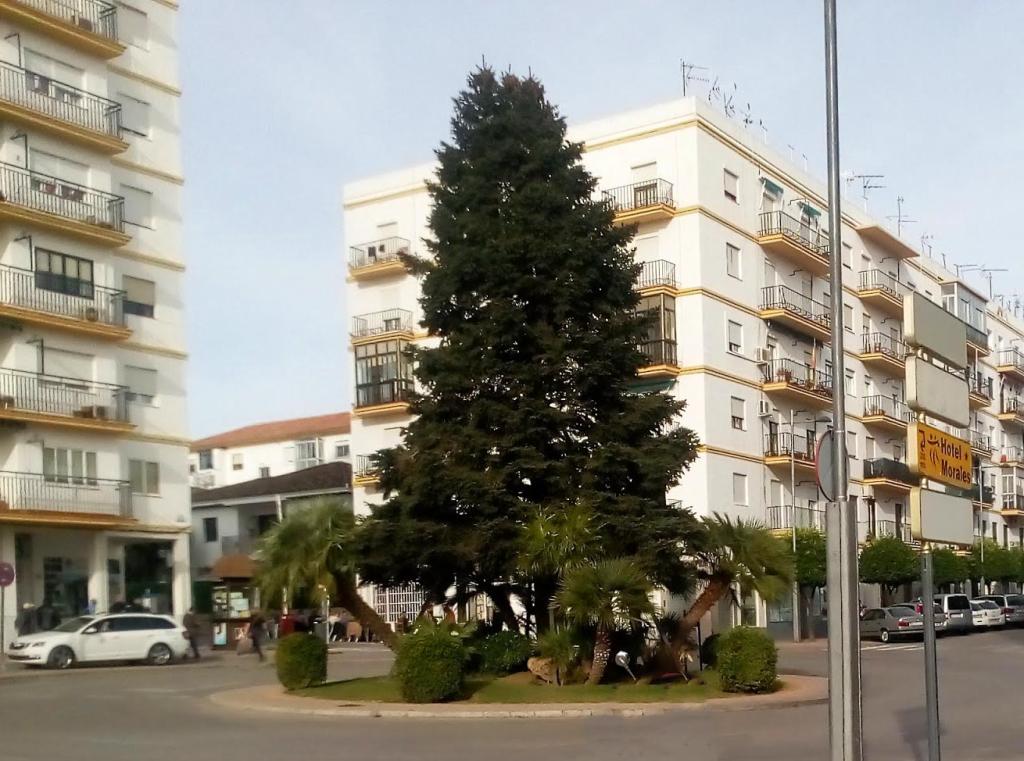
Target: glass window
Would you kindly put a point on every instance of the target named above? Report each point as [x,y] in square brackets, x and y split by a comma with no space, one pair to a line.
[732,261]
[731,185]
[341,450]
[144,477]
[851,381]
[206,459]
[851,445]
[383,373]
[848,318]
[739,489]
[210,529]
[139,296]
[735,337]
[738,409]
[308,453]
[62,273]
[236,461]
[73,466]
[847,256]
[264,471]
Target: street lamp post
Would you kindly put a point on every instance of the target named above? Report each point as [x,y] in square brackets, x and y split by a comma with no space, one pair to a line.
[792,522]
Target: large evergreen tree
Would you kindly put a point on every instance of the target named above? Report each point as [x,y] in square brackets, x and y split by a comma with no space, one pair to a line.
[526,403]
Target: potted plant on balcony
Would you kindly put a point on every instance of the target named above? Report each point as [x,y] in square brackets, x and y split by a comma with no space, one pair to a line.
[784,374]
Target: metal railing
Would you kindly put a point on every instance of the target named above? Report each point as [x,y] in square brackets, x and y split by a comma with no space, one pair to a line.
[979,493]
[789,371]
[64,494]
[811,238]
[981,441]
[869,280]
[885,467]
[59,100]
[783,297]
[1012,454]
[658,272]
[892,528]
[1011,502]
[976,336]
[785,444]
[51,293]
[639,195]
[1012,405]
[886,405]
[979,385]
[94,16]
[386,321]
[787,517]
[659,351]
[61,198]
[377,252]
[57,395]
[383,392]
[1011,358]
[882,343]
[366,466]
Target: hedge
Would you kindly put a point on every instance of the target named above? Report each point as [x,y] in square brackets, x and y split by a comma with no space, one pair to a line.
[301,661]
[430,665]
[504,652]
[747,660]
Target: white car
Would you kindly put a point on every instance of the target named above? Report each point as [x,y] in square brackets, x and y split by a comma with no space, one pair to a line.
[987,613]
[117,637]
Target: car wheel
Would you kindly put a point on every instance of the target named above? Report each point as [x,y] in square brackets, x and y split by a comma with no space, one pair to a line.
[884,635]
[61,658]
[159,655]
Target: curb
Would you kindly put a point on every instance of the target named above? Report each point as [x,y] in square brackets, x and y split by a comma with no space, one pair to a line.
[796,691]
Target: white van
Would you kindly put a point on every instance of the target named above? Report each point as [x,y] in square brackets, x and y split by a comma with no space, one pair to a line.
[957,608]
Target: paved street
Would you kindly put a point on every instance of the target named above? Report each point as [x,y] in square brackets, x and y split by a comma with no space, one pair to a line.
[162,714]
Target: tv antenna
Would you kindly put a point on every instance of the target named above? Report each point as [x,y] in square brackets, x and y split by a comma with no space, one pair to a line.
[900,219]
[986,272]
[687,70]
[961,268]
[926,244]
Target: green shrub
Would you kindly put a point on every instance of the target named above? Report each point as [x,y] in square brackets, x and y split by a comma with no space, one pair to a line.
[430,665]
[504,653]
[747,660]
[301,661]
[709,651]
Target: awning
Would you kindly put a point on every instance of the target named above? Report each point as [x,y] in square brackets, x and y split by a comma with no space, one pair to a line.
[809,209]
[771,187]
[651,387]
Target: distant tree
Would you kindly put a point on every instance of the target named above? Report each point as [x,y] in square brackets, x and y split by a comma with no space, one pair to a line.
[810,566]
[948,567]
[1000,564]
[889,562]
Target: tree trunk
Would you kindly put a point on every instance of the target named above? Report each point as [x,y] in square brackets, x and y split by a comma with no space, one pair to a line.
[715,590]
[349,598]
[602,652]
[807,621]
[501,601]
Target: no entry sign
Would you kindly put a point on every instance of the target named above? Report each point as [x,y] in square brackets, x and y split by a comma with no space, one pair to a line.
[6,574]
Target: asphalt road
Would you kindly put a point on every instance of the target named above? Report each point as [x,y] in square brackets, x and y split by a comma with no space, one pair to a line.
[162,714]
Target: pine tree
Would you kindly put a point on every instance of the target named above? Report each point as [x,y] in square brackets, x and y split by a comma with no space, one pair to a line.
[527,403]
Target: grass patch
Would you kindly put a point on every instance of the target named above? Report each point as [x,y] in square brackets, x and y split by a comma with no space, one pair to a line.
[524,688]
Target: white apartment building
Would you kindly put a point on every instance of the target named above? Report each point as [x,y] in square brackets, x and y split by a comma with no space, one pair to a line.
[270,449]
[735,258]
[94,492]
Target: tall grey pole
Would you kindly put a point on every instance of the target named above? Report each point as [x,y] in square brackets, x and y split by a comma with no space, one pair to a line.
[845,730]
[792,522]
[931,676]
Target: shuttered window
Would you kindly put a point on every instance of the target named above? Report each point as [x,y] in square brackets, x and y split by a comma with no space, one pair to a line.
[68,364]
[141,382]
[139,296]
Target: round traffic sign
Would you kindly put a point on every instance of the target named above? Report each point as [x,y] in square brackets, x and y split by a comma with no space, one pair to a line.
[825,465]
[6,574]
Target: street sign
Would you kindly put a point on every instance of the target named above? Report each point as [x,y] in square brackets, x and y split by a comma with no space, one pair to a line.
[825,466]
[932,390]
[6,574]
[939,456]
[930,327]
[939,517]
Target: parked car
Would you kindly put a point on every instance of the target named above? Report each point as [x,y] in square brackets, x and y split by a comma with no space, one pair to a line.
[986,613]
[941,619]
[1012,605]
[114,637]
[957,608]
[894,621]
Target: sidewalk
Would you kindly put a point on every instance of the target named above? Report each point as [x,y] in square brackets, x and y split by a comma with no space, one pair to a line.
[796,690]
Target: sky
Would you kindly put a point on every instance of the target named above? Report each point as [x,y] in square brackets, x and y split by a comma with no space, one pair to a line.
[285,102]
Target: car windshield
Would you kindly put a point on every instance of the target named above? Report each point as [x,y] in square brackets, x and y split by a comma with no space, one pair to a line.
[73,624]
[989,605]
[901,610]
[1015,600]
[975,606]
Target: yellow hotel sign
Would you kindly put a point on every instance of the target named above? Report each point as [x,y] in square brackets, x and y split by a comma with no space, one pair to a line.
[936,455]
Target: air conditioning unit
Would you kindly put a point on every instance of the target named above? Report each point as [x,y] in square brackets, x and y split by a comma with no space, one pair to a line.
[764,409]
[762,355]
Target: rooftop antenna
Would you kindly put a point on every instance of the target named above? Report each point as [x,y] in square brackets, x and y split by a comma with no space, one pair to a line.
[961,268]
[900,219]
[687,70]
[926,244]
[986,272]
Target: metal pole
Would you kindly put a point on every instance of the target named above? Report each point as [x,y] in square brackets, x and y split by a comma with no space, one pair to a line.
[931,676]
[792,521]
[3,628]
[845,730]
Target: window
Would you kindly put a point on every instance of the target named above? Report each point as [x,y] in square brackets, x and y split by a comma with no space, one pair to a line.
[58,168]
[340,451]
[739,414]
[739,489]
[144,476]
[383,373]
[308,453]
[734,337]
[236,461]
[210,529]
[66,365]
[133,26]
[848,318]
[731,185]
[732,261]
[848,256]
[69,466]
[869,448]
[138,206]
[264,471]
[141,383]
[134,115]
[659,345]
[851,445]
[206,459]
[139,296]
[865,323]
[851,382]
[65,274]
[50,74]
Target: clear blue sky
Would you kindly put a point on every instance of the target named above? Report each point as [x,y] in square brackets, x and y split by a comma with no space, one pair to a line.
[284,102]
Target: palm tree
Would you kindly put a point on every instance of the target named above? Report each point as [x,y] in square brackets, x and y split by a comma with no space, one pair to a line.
[312,549]
[737,552]
[602,595]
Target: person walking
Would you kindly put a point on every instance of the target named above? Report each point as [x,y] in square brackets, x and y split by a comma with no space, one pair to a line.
[27,621]
[256,632]
[191,623]
[48,617]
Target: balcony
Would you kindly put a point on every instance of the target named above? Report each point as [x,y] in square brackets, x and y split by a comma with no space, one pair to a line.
[63,402]
[61,206]
[366,471]
[1011,505]
[885,412]
[45,300]
[63,110]
[979,390]
[887,528]
[1011,412]
[798,383]
[981,443]
[86,25]
[881,290]
[1012,456]
[982,496]
[644,201]
[797,312]
[885,474]
[784,518]
[388,397]
[885,353]
[661,360]
[379,258]
[63,500]
[381,326]
[656,277]
[977,341]
[1010,363]
[805,246]
[786,450]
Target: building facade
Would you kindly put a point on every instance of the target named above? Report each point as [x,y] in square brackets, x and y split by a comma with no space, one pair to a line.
[735,259]
[269,449]
[94,500]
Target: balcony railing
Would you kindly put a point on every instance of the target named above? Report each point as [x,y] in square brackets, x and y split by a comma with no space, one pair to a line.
[91,15]
[659,351]
[782,297]
[884,467]
[979,493]
[639,195]
[377,252]
[383,392]
[976,336]
[1012,454]
[1012,358]
[658,272]
[70,493]
[981,441]
[886,405]
[56,395]
[882,343]
[787,517]
[1011,502]
[376,323]
[979,385]
[788,371]
[61,198]
[61,296]
[785,444]
[59,100]
[366,466]
[1012,405]
[869,280]
[892,528]
[780,223]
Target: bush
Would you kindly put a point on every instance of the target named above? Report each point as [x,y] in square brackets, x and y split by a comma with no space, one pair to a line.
[747,660]
[301,661]
[504,652]
[430,664]
[709,651]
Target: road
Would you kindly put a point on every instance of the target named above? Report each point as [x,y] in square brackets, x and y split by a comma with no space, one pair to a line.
[162,714]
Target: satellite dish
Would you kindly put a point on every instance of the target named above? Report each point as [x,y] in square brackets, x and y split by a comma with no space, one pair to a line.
[825,465]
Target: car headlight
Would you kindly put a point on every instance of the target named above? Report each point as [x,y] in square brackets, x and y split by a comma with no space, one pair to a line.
[37,644]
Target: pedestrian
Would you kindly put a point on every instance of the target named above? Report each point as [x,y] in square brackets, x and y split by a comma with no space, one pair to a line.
[256,632]
[92,607]
[47,616]
[191,623]
[27,622]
